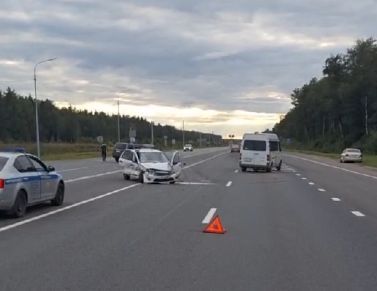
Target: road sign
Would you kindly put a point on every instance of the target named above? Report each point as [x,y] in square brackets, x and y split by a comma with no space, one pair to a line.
[100,139]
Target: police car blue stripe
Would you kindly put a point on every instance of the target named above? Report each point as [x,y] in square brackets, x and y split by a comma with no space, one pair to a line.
[31,179]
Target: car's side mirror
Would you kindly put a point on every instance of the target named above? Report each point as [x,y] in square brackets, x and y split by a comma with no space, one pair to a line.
[50,169]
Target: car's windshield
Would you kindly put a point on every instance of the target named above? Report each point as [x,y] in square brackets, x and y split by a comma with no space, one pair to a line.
[153,157]
[3,161]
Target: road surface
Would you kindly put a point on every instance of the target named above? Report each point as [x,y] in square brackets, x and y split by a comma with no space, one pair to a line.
[312,226]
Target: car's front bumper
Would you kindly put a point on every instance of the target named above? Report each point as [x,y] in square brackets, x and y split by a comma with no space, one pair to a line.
[153,178]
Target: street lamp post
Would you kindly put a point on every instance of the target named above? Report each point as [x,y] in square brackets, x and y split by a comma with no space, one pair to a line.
[118,123]
[36,104]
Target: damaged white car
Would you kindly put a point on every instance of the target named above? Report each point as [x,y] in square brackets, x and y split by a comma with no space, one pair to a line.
[150,166]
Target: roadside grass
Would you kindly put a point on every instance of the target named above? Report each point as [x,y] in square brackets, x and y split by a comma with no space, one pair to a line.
[60,151]
[368,160]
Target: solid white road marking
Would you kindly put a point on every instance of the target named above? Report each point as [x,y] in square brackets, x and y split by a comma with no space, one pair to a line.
[203,161]
[68,170]
[334,167]
[92,176]
[357,213]
[14,225]
[311,183]
[321,190]
[194,183]
[35,218]
[229,184]
[335,199]
[209,216]
[118,171]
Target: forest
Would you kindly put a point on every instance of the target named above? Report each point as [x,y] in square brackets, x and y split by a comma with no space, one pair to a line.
[339,109]
[68,125]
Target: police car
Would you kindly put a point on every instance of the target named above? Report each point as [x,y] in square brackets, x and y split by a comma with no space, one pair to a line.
[25,180]
[150,166]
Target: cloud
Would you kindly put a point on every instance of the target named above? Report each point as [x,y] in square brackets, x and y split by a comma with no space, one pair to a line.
[221,55]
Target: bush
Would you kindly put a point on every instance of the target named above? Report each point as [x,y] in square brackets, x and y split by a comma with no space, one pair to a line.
[369,143]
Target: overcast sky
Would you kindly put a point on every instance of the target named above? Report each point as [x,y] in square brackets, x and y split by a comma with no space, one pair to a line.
[222,66]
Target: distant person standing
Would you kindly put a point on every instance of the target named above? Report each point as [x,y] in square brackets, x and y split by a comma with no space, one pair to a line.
[103,151]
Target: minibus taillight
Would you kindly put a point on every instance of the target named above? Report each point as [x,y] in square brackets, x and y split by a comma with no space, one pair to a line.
[2,184]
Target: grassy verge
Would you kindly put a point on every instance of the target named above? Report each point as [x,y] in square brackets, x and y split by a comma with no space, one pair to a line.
[368,160]
[60,151]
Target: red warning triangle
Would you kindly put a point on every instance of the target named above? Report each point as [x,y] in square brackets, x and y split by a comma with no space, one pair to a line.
[215,226]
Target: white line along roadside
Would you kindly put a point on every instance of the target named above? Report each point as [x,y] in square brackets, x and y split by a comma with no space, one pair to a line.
[203,161]
[334,167]
[14,225]
[209,216]
[69,170]
[50,213]
[91,176]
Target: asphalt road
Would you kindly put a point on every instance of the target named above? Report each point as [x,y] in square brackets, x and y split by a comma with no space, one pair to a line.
[285,230]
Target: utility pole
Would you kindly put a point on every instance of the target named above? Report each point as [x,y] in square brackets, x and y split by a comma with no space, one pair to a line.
[118,123]
[366,115]
[200,139]
[152,135]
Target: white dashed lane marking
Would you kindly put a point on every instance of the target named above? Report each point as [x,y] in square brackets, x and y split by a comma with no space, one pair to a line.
[209,216]
[357,213]
[229,184]
[321,190]
[335,199]
[298,175]
[311,183]
[303,178]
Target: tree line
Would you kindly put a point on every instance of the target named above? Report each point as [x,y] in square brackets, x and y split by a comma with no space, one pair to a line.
[17,119]
[339,109]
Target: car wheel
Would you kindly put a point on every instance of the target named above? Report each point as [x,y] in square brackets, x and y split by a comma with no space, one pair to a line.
[117,160]
[172,182]
[279,166]
[59,196]
[243,169]
[268,169]
[19,207]
[141,178]
[126,177]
